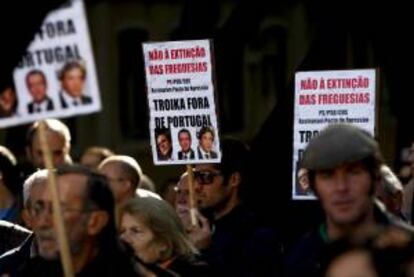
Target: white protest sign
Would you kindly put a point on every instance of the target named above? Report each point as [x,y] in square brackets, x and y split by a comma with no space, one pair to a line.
[324,97]
[56,77]
[183,121]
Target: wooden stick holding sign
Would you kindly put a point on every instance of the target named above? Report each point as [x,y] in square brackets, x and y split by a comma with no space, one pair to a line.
[57,212]
[191,195]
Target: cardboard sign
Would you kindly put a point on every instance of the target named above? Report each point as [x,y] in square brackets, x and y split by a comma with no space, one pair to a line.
[183,121]
[56,77]
[324,97]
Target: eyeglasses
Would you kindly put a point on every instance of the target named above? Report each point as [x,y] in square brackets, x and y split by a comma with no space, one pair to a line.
[205,177]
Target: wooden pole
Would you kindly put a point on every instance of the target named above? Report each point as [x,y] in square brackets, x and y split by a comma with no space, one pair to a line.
[57,212]
[191,195]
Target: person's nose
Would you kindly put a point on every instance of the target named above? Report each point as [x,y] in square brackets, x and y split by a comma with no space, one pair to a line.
[125,237]
[342,182]
[45,218]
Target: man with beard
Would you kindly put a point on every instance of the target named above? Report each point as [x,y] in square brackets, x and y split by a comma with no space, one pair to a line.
[88,214]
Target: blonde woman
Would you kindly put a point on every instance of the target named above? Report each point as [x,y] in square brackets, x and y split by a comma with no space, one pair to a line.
[153,230]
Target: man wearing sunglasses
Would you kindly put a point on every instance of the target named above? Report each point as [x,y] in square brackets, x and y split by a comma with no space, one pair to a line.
[238,245]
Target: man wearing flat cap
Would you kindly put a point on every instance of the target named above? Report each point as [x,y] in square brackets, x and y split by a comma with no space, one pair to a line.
[343,164]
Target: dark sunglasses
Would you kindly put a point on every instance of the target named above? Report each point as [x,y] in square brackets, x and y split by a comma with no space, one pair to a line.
[205,177]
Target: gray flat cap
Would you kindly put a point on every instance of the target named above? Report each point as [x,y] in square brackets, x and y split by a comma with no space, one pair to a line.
[337,144]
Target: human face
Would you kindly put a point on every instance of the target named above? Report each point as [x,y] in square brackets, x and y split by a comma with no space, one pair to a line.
[71,190]
[35,195]
[185,141]
[141,238]
[355,263]
[73,81]
[57,145]
[37,87]
[181,204]
[7,101]
[345,193]
[164,145]
[210,195]
[303,179]
[206,141]
[117,180]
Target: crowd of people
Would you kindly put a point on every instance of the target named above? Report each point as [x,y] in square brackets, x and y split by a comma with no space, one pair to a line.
[119,223]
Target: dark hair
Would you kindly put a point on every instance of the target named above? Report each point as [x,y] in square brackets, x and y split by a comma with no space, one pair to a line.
[184,131]
[234,158]
[97,195]
[72,65]
[167,133]
[392,259]
[35,72]
[9,171]
[206,129]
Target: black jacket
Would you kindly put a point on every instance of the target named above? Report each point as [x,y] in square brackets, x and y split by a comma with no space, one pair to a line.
[84,100]
[306,257]
[49,106]
[242,246]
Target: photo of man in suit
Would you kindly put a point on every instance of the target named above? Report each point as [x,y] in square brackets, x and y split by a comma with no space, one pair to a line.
[206,142]
[72,78]
[36,83]
[184,139]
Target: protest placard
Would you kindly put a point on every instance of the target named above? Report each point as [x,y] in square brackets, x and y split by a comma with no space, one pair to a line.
[325,97]
[56,77]
[183,120]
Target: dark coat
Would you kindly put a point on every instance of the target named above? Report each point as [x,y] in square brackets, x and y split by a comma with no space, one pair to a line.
[242,246]
[181,155]
[84,100]
[49,106]
[105,264]
[14,259]
[213,155]
[11,235]
[306,257]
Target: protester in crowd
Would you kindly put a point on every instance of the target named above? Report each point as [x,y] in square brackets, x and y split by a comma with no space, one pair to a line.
[58,139]
[37,85]
[383,252]
[33,189]
[158,239]
[390,191]
[124,175]
[146,183]
[72,78]
[10,187]
[409,190]
[343,164]
[205,143]
[168,190]
[88,215]
[237,243]
[94,155]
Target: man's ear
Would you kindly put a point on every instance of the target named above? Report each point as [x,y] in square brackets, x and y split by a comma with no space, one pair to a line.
[235,179]
[27,219]
[97,221]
